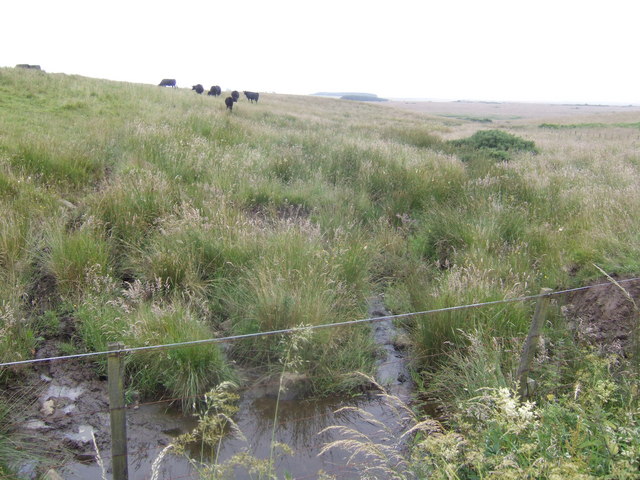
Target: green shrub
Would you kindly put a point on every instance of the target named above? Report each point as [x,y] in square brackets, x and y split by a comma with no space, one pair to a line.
[496,144]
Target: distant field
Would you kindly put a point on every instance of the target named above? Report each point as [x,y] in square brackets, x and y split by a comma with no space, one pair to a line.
[511,112]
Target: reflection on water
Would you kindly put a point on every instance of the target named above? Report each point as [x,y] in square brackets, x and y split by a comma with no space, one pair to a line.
[299,424]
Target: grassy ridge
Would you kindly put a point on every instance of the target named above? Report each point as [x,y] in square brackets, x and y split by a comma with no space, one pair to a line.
[127,202]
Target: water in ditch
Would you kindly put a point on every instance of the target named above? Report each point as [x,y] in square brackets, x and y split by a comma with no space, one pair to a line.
[299,423]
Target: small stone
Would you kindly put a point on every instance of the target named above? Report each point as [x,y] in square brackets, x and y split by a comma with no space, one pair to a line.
[85,457]
[401,341]
[52,475]
[34,425]
[83,436]
[48,408]
[294,386]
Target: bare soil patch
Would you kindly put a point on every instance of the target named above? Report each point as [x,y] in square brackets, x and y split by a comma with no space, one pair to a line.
[604,316]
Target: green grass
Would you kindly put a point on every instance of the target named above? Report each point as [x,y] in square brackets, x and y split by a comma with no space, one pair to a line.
[163,184]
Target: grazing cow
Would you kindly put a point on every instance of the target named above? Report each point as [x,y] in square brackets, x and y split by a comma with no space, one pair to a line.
[215,91]
[235,95]
[198,88]
[229,102]
[168,82]
[251,96]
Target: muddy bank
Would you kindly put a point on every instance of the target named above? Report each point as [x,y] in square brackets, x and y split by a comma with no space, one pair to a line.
[605,316]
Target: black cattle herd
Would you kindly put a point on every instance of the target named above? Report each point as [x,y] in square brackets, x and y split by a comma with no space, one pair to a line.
[214,91]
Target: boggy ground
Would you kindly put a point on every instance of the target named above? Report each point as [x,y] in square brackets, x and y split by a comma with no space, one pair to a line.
[69,403]
[71,399]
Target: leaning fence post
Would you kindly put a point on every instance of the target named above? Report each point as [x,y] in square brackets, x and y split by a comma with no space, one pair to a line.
[531,343]
[115,371]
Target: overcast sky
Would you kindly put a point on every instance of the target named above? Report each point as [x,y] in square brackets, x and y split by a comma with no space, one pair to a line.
[578,51]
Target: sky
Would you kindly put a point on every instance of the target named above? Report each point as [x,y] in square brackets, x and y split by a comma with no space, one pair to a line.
[557,51]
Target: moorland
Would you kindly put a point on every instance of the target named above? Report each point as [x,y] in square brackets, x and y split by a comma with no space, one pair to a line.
[146,215]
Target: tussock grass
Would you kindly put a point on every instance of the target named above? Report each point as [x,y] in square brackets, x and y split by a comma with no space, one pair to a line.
[73,256]
[136,153]
[141,315]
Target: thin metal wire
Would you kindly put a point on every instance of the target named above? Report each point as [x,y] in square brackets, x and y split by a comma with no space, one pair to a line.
[311,327]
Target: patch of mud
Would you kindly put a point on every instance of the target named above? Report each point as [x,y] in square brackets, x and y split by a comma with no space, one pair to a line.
[287,214]
[604,316]
[41,294]
[70,407]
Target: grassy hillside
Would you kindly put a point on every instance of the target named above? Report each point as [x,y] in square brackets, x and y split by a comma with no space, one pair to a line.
[285,212]
[147,215]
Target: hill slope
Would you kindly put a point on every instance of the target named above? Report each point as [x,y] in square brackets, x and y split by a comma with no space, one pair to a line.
[147,215]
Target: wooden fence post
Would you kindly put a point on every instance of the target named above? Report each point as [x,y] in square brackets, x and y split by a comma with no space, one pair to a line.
[531,343]
[115,373]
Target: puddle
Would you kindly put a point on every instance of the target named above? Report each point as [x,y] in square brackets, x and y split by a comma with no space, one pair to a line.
[299,424]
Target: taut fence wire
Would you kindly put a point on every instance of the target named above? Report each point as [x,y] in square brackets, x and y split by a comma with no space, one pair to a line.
[314,327]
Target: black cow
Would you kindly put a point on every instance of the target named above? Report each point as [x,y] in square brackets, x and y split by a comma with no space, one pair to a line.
[229,102]
[198,88]
[215,91]
[168,82]
[235,95]
[251,96]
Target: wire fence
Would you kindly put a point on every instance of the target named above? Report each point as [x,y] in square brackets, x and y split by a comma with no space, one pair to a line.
[291,419]
[313,327]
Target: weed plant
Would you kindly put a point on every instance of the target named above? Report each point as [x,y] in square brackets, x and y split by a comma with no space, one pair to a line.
[585,429]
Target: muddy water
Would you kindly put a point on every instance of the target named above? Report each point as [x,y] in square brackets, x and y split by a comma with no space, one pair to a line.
[299,424]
